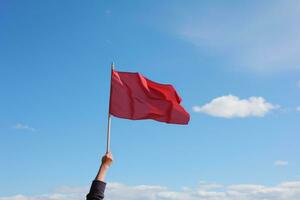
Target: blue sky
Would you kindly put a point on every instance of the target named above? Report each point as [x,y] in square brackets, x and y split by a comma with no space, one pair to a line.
[235,65]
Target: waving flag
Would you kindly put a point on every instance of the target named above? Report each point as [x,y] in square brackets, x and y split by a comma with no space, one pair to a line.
[135,97]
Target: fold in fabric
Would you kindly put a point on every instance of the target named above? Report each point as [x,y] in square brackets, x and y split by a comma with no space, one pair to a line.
[135,97]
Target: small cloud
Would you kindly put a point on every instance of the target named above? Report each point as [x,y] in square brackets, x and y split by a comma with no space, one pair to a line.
[299,84]
[231,106]
[20,126]
[281,163]
[298,108]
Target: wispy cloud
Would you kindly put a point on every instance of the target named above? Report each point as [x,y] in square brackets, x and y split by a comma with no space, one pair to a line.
[231,106]
[205,191]
[281,163]
[25,127]
[261,36]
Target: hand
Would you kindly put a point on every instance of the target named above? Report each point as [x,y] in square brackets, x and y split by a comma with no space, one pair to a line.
[107,160]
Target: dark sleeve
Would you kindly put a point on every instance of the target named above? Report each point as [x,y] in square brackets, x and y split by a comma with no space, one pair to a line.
[96,191]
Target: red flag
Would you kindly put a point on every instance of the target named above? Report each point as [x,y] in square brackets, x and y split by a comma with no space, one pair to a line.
[133,96]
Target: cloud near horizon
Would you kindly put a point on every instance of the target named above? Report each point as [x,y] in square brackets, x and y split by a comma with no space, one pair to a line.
[205,191]
[232,106]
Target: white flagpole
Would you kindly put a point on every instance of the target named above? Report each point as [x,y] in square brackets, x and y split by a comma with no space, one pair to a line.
[109,117]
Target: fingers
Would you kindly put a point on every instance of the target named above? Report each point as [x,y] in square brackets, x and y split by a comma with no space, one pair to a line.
[109,155]
[107,158]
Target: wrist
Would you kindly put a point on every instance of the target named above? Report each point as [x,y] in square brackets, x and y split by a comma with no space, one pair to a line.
[104,166]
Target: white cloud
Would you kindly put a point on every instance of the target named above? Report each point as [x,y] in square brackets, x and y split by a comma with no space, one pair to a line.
[259,36]
[231,106]
[281,163]
[54,196]
[298,108]
[20,126]
[116,191]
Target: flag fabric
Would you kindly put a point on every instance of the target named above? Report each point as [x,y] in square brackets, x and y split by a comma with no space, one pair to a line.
[135,97]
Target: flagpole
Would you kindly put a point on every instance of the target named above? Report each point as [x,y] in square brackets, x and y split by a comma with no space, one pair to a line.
[109,117]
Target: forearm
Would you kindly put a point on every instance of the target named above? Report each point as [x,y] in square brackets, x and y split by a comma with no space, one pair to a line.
[101,173]
[98,185]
